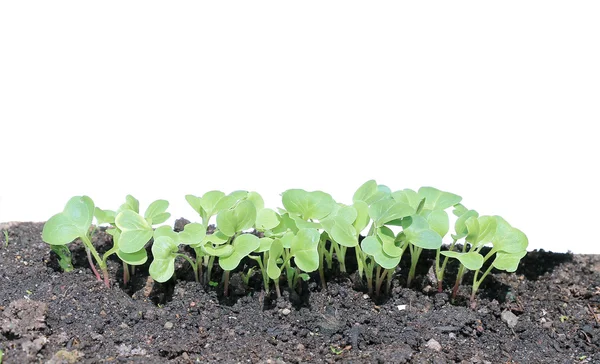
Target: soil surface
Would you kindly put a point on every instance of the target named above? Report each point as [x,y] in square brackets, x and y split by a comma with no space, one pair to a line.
[547,312]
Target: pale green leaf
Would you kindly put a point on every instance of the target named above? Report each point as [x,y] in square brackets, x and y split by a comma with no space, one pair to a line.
[275,252]
[309,205]
[304,249]
[135,231]
[193,234]
[438,200]
[240,218]
[471,260]
[242,246]
[266,219]
[384,211]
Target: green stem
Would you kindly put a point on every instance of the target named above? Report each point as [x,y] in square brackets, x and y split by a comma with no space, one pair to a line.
[86,241]
[192,263]
[477,282]
[458,281]
[211,262]
[321,268]
[415,252]
[440,270]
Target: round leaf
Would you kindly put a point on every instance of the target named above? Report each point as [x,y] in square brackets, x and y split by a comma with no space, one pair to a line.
[471,260]
[234,220]
[192,234]
[304,248]
[266,219]
[242,246]
[135,231]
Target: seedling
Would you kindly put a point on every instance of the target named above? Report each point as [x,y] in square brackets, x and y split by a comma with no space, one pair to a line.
[73,223]
[130,235]
[509,245]
[5,238]
[64,257]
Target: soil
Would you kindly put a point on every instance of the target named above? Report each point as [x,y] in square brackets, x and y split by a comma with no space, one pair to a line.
[546,312]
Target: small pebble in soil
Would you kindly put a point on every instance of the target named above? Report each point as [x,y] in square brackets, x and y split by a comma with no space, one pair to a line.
[434,345]
[510,319]
[286,311]
[168,325]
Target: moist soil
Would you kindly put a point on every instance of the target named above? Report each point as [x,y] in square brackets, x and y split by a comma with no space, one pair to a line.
[546,312]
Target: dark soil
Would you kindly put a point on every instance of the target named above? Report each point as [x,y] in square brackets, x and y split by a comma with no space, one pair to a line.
[547,312]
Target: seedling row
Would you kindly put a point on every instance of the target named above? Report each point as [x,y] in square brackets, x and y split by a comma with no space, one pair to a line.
[304,236]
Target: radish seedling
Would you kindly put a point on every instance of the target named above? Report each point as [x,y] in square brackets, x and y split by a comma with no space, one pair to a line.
[72,223]
[509,246]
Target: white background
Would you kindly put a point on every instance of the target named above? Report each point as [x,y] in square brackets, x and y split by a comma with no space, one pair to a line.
[495,102]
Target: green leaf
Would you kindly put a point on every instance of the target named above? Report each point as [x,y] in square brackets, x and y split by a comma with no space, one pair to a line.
[438,200]
[508,261]
[73,222]
[193,234]
[216,238]
[459,210]
[131,203]
[508,239]
[64,257]
[287,238]
[196,203]
[104,216]
[309,205]
[391,246]
[210,201]
[257,200]
[373,246]
[266,219]
[370,193]
[218,251]
[471,260]
[362,216]
[419,234]
[229,201]
[344,234]
[164,251]
[242,246]
[265,245]
[240,218]
[384,211]
[304,248]
[460,226]
[472,225]
[138,258]
[156,212]
[166,230]
[275,251]
[135,231]
[408,197]
[439,222]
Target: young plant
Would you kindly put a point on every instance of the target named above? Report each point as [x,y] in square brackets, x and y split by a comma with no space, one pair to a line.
[5,238]
[430,223]
[303,247]
[165,250]
[509,246]
[64,257]
[306,209]
[72,223]
[381,250]
[131,231]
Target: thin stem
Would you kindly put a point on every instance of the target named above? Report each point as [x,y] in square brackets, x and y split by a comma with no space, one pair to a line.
[226,284]
[125,274]
[440,271]
[92,265]
[415,252]
[379,280]
[458,281]
[86,241]
[388,287]
[477,282]
[192,263]
[211,262]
